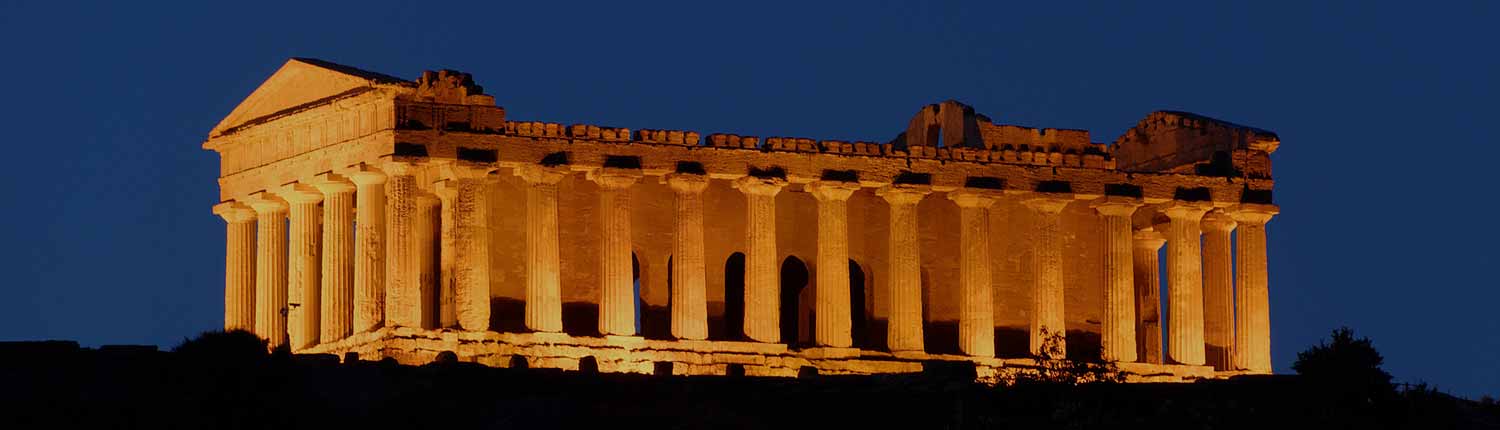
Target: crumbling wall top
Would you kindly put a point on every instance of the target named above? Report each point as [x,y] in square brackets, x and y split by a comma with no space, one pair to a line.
[1173,141]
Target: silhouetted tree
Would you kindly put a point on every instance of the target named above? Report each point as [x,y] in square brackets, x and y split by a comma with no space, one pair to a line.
[1346,361]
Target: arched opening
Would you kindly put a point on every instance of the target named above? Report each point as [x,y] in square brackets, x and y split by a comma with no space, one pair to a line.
[734,297]
[858,318]
[796,303]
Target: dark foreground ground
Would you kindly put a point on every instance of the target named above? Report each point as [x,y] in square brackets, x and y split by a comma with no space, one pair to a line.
[57,385]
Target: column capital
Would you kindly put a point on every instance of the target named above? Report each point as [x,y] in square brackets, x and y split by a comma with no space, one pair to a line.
[462,171]
[831,190]
[537,174]
[1149,239]
[759,186]
[1184,211]
[298,192]
[611,178]
[264,202]
[686,183]
[234,212]
[1217,221]
[363,174]
[1115,206]
[1047,204]
[399,167]
[1250,213]
[330,183]
[974,197]
[903,194]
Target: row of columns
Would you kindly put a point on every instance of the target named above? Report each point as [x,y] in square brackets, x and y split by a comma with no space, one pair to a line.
[392,231]
[358,255]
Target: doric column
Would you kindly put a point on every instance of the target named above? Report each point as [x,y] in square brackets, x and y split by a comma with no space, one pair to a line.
[337,287]
[465,203]
[1252,300]
[689,289]
[239,265]
[306,245]
[762,275]
[543,267]
[1218,290]
[428,215]
[904,326]
[616,290]
[402,292]
[369,247]
[976,308]
[832,313]
[1117,337]
[1184,283]
[1148,294]
[1047,317]
[270,268]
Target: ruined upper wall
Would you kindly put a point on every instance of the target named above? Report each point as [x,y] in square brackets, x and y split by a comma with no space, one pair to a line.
[1181,142]
[335,126]
[951,124]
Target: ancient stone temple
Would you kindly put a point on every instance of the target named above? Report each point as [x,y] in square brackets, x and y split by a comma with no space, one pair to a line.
[397,218]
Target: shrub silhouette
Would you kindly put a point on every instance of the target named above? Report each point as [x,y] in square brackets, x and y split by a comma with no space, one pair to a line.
[227,348]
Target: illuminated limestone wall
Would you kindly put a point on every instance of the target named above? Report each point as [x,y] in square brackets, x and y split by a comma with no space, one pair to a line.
[449,184]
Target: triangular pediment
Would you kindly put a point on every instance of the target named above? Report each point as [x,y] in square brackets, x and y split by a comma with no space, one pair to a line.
[299,82]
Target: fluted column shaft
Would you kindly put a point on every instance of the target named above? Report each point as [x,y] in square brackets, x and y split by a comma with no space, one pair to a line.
[270,269]
[337,287]
[1252,300]
[762,274]
[1185,283]
[617,289]
[976,308]
[239,265]
[466,201]
[369,249]
[904,326]
[689,287]
[1117,337]
[832,313]
[402,292]
[1148,294]
[543,266]
[428,215]
[1218,290]
[1048,323]
[306,245]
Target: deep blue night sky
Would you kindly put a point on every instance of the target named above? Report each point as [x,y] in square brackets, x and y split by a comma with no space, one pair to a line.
[1385,112]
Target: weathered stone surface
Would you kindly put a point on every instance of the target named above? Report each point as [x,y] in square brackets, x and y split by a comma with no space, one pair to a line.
[905,284]
[976,320]
[1252,303]
[337,287]
[617,296]
[1218,290]
[1117,337]
[689,288]
[239,265]
[270,268]
[1047,319]
[1148,294]
[543,271]
[832,308]
[305,244]
[889,274]
[762,273]
[1185,283]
